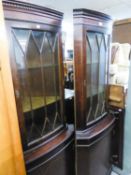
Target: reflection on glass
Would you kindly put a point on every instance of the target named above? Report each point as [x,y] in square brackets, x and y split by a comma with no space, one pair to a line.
[102,75]
[22,37]
[96,74]
[36,55]
[38,38]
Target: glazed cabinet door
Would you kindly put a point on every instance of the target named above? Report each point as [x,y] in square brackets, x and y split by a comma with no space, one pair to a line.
[38,91]
[97,48]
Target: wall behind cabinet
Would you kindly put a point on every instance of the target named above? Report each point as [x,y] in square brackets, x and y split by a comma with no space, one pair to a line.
[122,34]
[11,158]
[122,31]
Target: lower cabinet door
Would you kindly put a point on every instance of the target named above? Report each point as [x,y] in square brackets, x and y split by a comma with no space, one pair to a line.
[94,149]
[59,160]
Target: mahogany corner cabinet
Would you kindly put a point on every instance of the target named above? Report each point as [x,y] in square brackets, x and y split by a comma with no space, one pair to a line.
[50,145]
[94,123]
[35,47]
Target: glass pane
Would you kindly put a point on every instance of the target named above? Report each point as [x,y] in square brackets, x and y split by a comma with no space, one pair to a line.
[22,37]
[56,61]
[38,37]
[19,55]
[59,119]
[107,41]
[99,39]
[52,39]
[52,95]
[94,67]
[102,66]
[36,93]
[106,38]
[22,74]
[102,75]
[38,73]
[57,76]
[89,79]
[47,54]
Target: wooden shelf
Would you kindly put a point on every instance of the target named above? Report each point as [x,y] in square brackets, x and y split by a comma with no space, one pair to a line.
[37,102]
[39,67]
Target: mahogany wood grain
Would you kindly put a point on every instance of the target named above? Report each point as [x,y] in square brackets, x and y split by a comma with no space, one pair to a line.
[17,10]
[48,146]
[96,131]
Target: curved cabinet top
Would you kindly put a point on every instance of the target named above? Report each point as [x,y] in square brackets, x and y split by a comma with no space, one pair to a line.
[92,18]
[90,13]
[16,10]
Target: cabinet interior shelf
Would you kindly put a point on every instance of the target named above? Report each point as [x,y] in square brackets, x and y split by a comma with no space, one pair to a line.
[38,67]
[37,102]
